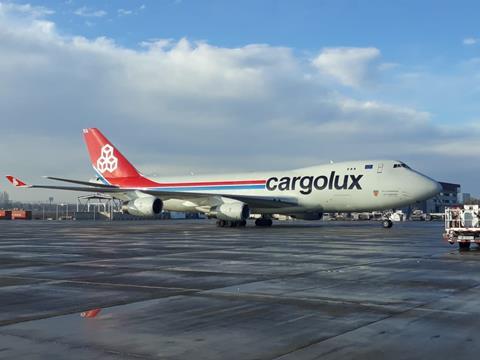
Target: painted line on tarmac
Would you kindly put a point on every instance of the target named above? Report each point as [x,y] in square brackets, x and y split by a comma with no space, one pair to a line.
[103,283]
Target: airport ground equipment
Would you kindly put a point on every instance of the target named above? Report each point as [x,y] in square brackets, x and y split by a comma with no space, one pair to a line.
[462,225]
[418,215]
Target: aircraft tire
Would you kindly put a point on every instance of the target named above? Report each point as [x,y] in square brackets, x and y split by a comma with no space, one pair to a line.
[226,223]
[263,222]
[387,224]
[464,246]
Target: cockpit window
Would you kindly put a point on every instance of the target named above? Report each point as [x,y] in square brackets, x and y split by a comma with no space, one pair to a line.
[401,165]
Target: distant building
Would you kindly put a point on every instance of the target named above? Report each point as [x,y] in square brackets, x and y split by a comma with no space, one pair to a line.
[4,200]
[465,198]
[450,195]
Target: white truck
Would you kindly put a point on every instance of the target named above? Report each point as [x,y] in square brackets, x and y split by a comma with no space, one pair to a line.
[462,225]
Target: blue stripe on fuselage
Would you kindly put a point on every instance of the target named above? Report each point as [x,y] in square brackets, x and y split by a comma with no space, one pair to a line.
[194,188]
[224,187]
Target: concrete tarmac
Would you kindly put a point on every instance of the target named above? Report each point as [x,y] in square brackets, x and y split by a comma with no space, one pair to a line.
[188,290]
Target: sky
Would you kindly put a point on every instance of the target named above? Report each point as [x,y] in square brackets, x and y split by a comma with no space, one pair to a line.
[187,87]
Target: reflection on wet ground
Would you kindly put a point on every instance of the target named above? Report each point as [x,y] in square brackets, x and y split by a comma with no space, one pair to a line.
[189,290]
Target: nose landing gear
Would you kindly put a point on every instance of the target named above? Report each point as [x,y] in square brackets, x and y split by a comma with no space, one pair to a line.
[387,223]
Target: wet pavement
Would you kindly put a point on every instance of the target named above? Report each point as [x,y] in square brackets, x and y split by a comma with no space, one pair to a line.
[188,290]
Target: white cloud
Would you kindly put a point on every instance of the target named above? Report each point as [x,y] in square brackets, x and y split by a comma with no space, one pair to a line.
[349,65]
[25,10]
[156,43]
[191,103]
[387,66]
[470,41]
[88,12]
[124,12]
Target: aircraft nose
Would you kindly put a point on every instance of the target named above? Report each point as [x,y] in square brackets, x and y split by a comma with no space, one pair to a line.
[428,188]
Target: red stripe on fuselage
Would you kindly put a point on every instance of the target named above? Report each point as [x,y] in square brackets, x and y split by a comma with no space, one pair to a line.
[142,182]
[207,183]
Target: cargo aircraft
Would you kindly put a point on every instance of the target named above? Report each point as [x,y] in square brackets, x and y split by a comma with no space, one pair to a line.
[304,193]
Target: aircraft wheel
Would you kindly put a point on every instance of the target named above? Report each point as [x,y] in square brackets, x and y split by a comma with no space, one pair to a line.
[387,224]
[464,245]
[221,223]
[259,222]
[232,223]
[263,222]
[242,223]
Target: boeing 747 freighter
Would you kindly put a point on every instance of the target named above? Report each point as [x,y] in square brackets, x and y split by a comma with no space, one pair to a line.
[304,193]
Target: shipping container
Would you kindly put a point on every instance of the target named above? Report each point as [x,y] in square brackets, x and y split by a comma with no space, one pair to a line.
[5,215]
[21,215]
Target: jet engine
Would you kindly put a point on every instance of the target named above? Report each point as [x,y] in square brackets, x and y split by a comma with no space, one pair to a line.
[308,216]
[231,211]
[144,206]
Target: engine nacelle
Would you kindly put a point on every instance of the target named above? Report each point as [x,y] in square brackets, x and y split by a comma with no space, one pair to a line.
[144,206]
[232,211]
[308,216]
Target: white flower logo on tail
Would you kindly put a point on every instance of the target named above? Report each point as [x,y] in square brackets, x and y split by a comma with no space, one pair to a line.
[107,161]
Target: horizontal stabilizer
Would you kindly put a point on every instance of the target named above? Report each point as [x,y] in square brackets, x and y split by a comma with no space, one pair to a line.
[16,181]
[80,188]
[87,183]
[92,187]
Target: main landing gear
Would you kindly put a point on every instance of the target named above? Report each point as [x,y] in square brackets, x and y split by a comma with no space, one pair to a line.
[264,222]
[228,223]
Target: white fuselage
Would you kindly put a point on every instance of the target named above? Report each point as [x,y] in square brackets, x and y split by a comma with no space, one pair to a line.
[339,187]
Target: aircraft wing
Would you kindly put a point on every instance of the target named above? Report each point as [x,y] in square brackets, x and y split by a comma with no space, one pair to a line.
[204,198]
[197,197]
